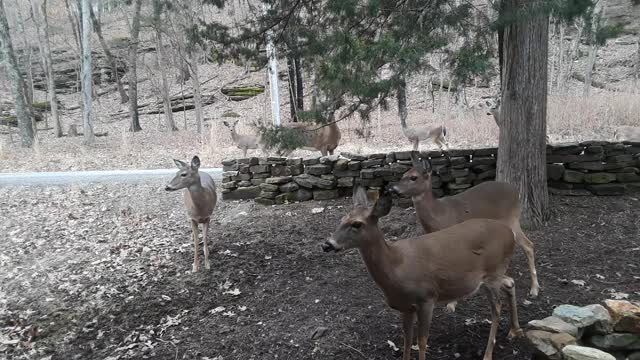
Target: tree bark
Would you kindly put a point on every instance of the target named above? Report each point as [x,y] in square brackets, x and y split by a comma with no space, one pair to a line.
[292,88]
[596,24]
[112,60]
[23,113]
[51,83]
[133,74]
[164,89]
[87,72]
[401,96]
[73,24]
[522,145]
[197,94]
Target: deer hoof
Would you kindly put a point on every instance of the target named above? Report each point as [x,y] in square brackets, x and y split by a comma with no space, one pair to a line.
[195,268]
[534,292]
[451,307]
[207,265]
[515,333]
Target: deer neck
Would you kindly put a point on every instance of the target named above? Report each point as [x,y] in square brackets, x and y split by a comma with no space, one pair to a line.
[379,258]
[234,135]
[429,210]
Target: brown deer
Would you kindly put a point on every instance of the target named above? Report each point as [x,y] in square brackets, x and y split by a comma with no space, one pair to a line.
[243,142]
[324,138]
[444,266]
[490,200]
[199,198]
[494,110]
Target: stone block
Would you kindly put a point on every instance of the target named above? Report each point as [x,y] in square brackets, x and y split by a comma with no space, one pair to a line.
[486,152]
[341,165]
[599,178]
[302,195]
[244,193]
[627,177]
[258,169]
[289,187]
[575,352]
[607,189]
[265,201]
[257,181]
[354,165]
[244,183]
[294,161]
[563,159]
[345,182]
[588,165]
[319,169]
[353,157]
[555,325]
[325,194]
[269,187]
[567,149]
[310,181]
[616,341]
[625,315]
[554,171]
[574,177]
[371,163]
[279,180]
[311,161]
[268,194]
[229,185]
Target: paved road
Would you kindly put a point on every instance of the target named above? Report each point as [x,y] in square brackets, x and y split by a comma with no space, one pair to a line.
[86,177]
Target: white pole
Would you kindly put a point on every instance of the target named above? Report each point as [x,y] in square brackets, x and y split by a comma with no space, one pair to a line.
[273,76]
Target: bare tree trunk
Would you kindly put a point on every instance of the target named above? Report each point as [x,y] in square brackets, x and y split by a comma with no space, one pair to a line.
[596,23]
[166,100]
[160,59]
[521,150]
[87,72]
[637,70]
[45,48]
[73,24]
[401,96]
[23,113]
[133,75]
[572,56]
[557,74]
[112,60]
[197,94]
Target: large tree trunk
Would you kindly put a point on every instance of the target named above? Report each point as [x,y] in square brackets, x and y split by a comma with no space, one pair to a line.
[73,24]
[133,75]
[596,23]
[87,71]
[23,114]
[48,61]
[296,86]
[521,150]
[112,60]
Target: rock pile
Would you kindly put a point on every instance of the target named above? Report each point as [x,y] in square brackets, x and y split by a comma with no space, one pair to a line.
[593,332]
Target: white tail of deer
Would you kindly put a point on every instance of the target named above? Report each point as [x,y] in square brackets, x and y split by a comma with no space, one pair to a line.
[243,142]
[489,200]
[199,198]
[444,266]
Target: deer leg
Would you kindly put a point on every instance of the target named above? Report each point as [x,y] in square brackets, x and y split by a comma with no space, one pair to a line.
[508,287]
[194,230]
[205,230]
[416,142]
[425,313]
[523,241]
[451,307]
[407,328]
[244,152]
[493,295]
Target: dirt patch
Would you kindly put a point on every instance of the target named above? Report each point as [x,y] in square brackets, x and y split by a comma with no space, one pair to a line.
[102,272]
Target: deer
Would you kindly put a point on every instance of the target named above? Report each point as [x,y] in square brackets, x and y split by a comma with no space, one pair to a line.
[324,138]
[243,142]
[416,135]
[417,273]
[200,199]
[494,110]
[491,199]
[627,133]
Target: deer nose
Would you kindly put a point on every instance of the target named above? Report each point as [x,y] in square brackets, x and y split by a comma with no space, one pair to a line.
[327,246]
[168,188]
[391,189]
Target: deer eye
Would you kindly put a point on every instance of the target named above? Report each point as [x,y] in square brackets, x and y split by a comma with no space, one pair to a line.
[183,174]
[356,225]
[413,178]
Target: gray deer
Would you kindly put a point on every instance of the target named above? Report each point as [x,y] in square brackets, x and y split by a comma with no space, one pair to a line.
[199,198]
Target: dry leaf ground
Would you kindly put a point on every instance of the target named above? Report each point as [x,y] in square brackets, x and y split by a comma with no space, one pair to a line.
[102,272]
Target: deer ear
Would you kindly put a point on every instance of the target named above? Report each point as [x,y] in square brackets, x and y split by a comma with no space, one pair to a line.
[180,164]
[360,197]
[195,163]
[426,166]
[415,159]
[383,205]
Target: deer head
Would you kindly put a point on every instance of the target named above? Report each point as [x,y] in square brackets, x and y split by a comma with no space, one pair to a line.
[415,181]
[361,225]
[186,176]
[231,126]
